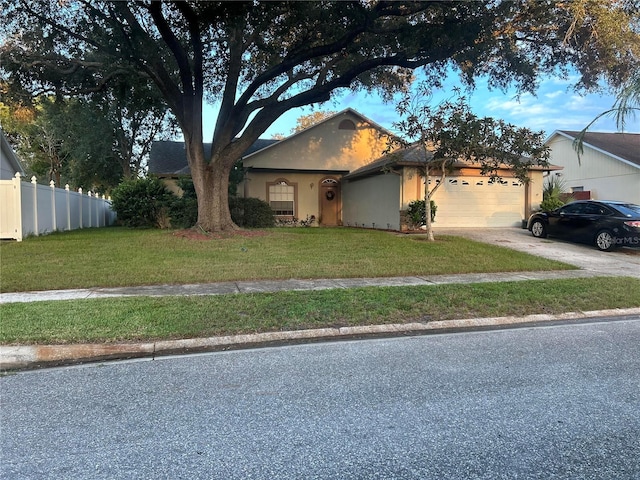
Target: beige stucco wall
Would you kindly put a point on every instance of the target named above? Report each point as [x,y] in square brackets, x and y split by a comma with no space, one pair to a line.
[535,189]
[324,147]
[307,201]
[372,200]
[172,186]
[607,178]
[305,159]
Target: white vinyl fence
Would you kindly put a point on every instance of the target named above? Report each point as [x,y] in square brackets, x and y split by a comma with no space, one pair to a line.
[32,209]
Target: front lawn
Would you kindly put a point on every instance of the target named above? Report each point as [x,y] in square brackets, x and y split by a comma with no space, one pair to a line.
[116,257]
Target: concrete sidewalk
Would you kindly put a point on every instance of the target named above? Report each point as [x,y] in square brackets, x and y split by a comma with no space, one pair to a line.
[265,286]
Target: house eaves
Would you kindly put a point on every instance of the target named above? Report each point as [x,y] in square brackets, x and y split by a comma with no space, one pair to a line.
[624,147]
[295,170]
[412,156]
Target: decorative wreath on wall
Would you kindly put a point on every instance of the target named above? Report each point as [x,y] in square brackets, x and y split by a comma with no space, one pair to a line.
[330,195]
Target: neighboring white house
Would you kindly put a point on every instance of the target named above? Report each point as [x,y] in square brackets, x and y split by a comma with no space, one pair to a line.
[609,167]
[9,162]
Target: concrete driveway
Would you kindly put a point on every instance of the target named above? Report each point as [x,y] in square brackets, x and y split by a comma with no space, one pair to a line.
[624,262]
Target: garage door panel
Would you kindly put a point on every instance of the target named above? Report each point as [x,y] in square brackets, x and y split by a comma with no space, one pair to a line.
[473,202]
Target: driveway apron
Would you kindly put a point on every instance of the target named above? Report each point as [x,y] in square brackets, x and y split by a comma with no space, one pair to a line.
[622,262]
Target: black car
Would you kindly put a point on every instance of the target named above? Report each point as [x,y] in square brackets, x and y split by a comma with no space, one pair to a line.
[603,223]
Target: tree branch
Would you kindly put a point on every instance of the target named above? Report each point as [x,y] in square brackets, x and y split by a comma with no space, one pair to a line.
[155,9]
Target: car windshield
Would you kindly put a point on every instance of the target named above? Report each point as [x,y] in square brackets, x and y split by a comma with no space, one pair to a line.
[628,209]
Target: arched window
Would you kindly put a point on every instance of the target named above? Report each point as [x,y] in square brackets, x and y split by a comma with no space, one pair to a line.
[329,182]
[346,125]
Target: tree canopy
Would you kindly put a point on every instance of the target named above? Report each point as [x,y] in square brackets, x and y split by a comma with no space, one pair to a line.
[261,59]
[625,108]
[93,140]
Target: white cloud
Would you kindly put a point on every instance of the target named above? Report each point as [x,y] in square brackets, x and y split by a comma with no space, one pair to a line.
[555,94]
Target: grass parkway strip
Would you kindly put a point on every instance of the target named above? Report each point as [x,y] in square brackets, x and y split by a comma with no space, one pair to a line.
[161,318]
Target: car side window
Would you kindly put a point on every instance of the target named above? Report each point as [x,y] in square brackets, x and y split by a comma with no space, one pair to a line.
[572,208]
[606,211]
[593,209]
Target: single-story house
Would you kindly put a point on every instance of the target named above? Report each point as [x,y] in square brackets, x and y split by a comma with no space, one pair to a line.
[609,167]
[301,176]
[9,162]
[337,172]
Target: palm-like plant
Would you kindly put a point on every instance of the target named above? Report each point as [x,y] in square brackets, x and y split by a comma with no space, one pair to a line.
[554,194]
[624,109]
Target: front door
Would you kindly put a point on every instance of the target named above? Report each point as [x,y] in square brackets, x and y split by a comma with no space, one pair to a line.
[330,202]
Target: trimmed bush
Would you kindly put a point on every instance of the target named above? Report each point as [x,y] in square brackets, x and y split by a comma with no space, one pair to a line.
[142,202]
[251,212]
[148,203]
[416,212]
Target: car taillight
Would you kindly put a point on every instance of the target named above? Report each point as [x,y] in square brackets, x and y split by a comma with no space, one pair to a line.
[633,224]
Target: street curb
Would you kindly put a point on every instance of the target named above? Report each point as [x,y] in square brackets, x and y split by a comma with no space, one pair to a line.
[33,356]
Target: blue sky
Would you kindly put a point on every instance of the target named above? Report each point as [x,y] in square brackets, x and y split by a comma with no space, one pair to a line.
[555,106]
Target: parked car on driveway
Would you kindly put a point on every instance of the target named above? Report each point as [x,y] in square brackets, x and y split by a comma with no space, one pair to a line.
[602,223]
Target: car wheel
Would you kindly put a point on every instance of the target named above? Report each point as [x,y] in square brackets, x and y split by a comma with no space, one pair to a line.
[538,229]
[605,241]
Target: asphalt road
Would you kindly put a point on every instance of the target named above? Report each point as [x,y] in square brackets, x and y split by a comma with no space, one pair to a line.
[546,402]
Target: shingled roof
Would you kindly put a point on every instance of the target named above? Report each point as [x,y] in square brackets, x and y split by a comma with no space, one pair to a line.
[625,146]
[412,156]
[170,158]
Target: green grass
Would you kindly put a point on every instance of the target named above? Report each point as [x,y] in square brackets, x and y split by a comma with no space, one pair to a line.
[155,318]
[116,257]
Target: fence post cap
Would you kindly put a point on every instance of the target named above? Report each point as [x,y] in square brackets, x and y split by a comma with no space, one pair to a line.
[17,175]
[80,190]
[66,187]
[52,184]
[34,179]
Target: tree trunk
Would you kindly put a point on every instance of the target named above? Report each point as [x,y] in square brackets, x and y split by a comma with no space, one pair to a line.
[428,195]
[427,207]
[211,182]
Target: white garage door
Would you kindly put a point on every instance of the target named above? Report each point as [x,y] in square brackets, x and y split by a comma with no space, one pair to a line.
[479,202]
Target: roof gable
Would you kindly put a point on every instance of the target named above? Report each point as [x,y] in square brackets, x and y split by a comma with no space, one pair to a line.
[323,146]
[326,146]
[322,123]
[9,157]
[620,146]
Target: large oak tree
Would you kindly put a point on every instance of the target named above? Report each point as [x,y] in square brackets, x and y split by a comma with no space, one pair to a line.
[261,59]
